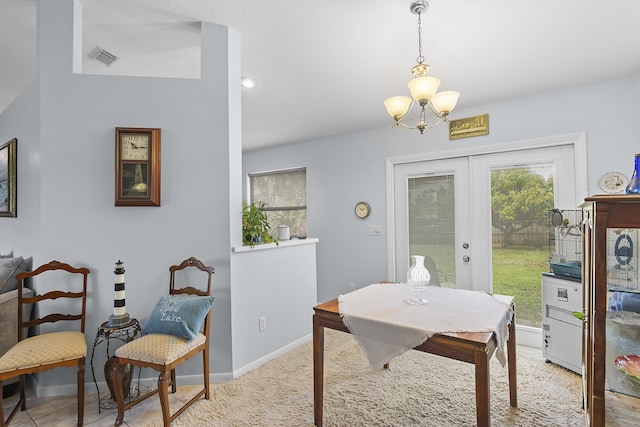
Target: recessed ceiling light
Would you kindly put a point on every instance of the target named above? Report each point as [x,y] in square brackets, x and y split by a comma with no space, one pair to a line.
[248,82]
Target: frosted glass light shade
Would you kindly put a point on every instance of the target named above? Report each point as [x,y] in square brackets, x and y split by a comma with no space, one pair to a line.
[397,105]
[423,88]
[445,101]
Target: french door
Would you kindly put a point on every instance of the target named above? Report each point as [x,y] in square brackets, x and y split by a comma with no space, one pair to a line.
[555,163]
[433,218]
[443,209]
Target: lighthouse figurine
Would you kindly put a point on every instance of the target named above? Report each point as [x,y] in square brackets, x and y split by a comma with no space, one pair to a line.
[120,317]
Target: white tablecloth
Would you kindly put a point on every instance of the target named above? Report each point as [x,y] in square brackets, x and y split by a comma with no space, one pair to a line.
[385,325]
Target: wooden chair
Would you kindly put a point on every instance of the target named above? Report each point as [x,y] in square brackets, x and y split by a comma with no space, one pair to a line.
[49,350]
[164,352]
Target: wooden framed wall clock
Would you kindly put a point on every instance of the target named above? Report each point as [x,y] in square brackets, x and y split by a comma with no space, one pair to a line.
[137,167]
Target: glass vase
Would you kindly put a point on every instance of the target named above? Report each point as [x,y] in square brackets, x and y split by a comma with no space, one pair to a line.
[418,278]
[634,183]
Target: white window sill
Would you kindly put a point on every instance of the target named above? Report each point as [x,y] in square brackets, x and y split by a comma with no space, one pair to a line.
[282,244]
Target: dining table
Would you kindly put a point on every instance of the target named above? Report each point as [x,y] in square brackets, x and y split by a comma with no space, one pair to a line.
[380,318]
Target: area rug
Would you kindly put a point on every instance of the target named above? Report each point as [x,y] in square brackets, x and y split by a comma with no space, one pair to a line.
[419,389]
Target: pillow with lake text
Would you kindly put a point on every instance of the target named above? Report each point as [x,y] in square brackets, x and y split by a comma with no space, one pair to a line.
[179,315]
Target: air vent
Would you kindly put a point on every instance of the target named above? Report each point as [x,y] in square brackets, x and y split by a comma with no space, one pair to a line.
[99,54]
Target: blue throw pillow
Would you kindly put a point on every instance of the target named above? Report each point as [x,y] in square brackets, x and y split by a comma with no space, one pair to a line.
[179,315]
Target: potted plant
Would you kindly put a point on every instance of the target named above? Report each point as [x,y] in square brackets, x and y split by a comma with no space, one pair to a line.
[255,225]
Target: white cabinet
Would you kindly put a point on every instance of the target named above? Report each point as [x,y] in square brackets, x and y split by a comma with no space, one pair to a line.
[561,330]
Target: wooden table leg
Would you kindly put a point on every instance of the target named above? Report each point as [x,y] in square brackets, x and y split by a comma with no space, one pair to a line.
[483,414]
[511,360]
[318,370]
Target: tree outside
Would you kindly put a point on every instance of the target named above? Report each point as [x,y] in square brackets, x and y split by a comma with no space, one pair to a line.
[521,199]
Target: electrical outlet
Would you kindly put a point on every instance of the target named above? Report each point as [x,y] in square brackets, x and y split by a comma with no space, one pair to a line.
[375,230]
[262,323]
[352,287]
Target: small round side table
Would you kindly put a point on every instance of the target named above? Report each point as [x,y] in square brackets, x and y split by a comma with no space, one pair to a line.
[124,333]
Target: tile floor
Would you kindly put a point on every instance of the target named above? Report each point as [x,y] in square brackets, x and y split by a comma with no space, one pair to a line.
[61,411]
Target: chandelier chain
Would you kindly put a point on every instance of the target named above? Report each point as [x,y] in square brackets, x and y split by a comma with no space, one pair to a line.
[420,58]
[423,88]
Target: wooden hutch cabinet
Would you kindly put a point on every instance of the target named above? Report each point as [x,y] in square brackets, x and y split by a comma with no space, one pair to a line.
[611,334]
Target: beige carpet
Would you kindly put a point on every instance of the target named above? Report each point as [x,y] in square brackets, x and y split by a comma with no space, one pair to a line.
[419,390]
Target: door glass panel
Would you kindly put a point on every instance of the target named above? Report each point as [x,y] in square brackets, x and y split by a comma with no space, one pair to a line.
[432,225]
[432,214]
[521,198]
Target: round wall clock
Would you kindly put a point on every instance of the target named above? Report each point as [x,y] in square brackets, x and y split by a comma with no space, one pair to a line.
[613,182]
[362,209]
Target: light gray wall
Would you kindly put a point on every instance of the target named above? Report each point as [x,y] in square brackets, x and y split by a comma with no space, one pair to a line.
[279,284]
[22,120]
[65,129]
[65,125]
[347,168]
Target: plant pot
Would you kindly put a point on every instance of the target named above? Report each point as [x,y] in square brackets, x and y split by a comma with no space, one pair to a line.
[253,240]
[126,377]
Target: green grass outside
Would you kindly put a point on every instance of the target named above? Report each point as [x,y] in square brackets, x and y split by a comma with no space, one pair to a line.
[516,272]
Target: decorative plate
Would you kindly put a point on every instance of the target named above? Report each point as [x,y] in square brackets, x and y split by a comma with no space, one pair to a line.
[613,182]
[630,365]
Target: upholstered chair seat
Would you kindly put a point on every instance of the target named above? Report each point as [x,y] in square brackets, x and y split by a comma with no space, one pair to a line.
[44,350]
[159,349]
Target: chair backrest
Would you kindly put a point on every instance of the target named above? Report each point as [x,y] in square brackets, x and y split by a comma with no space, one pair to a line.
[72,295]
[190,289]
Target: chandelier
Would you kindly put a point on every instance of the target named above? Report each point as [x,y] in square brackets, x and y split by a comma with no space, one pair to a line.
[423,88]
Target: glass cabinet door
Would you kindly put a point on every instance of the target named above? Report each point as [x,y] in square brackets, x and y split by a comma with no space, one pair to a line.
[623,311]
[611,343]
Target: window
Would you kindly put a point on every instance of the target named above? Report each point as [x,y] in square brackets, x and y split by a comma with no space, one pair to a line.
[284,193]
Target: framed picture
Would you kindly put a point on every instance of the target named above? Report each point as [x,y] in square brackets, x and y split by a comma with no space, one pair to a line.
[469,126]
[137,167]
[9,178]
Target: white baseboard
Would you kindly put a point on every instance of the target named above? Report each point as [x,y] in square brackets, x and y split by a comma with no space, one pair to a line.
[64,390]
[528,336]
[146,383]
[271,356]
[531,337]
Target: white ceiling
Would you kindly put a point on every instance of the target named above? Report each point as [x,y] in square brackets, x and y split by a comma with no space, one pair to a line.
[324,66]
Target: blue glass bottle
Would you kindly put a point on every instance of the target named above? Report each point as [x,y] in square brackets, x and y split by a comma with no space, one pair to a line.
[634,182]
